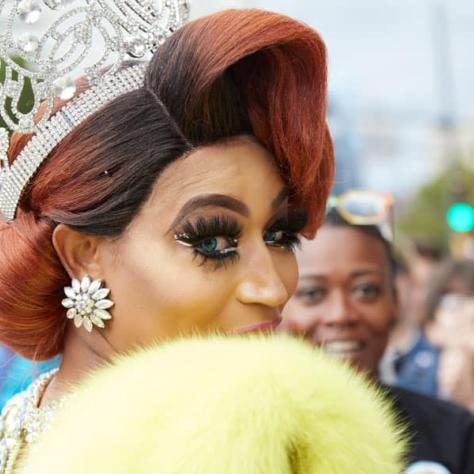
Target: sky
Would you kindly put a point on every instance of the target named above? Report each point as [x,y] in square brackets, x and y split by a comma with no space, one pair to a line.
[387,53]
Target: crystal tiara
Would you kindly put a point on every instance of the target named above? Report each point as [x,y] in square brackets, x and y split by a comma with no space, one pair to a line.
[88,38]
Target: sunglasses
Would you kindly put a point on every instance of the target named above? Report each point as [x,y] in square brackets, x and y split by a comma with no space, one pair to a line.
[364,207]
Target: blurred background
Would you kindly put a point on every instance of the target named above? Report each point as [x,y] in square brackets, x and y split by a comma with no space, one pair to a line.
[401,80]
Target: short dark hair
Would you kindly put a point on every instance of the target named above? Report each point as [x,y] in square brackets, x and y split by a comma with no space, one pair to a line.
[334,219]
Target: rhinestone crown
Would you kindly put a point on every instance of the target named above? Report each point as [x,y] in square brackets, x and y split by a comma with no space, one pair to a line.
[89,38]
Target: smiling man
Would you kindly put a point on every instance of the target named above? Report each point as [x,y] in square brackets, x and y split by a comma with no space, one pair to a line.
[346,302]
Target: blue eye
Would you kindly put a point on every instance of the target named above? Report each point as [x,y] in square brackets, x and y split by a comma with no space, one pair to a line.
[216,245]
[272,236]
[281,239]
[208,245]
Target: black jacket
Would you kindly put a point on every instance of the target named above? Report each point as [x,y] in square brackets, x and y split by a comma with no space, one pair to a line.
[440,431]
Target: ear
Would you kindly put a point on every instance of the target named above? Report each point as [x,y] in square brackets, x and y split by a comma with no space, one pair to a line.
[78,252]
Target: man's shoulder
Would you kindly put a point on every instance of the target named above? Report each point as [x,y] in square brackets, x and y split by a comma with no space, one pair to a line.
[439,431]
[424,406]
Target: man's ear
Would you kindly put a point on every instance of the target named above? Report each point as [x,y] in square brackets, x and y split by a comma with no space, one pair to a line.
[77,252]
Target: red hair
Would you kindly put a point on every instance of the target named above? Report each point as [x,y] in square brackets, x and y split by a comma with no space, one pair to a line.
[232,73]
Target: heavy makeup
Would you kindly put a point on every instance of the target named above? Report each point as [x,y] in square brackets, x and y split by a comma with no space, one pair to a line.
[210,251]
[345,299]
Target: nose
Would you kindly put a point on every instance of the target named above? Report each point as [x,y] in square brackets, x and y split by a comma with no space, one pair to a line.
[339,311]
[261,282]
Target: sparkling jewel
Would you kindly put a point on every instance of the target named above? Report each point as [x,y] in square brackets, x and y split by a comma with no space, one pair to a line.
[56,4]
[102,313]
[29,11]
[11,88]
[83,34]
[28,43]
[3,145]
[87,304]
[76,285]
[64,88]
[147,25]
[101,294]
[94,286]
[22,421]
[25,123]
[136,46]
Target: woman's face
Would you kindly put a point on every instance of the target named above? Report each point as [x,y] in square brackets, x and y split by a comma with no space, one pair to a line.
[211,250]
[345,300]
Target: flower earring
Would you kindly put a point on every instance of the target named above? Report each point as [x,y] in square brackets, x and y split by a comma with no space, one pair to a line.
[86,303]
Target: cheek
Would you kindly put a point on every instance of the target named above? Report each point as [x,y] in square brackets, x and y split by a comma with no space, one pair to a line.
[379,315]
[161,292]
[287,269]
[300,317]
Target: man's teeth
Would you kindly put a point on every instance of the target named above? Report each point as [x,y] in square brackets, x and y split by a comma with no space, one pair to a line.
[339,347]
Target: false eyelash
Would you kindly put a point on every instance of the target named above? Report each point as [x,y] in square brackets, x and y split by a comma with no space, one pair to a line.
[293,222]
[291,225]
[290,242]
[194,232]
[219,260]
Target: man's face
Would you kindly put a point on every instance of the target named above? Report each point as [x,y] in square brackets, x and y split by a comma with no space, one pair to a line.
[345,301]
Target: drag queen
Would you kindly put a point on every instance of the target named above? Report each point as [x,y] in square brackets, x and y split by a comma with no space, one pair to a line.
[161,202]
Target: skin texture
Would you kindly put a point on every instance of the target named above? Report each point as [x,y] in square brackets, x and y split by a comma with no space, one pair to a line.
[345,293]
[161,289]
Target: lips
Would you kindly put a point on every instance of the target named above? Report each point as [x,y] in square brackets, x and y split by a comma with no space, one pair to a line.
[261,327]
[343,348]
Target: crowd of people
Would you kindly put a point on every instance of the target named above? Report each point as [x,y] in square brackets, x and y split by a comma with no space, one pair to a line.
[350,301]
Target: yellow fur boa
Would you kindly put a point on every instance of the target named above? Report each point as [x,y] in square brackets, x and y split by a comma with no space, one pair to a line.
[223,406]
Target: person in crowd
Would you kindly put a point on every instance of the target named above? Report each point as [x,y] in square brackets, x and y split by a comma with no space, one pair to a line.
[411,360]
[449,325]
[163,202]
[346,302]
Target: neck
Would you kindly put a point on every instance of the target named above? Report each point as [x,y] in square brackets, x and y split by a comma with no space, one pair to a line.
[83,353]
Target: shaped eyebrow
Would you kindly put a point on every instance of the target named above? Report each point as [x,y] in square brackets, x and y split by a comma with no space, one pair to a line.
[211,200]
[225,201]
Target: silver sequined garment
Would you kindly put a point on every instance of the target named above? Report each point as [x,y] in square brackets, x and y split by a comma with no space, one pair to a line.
[22,421]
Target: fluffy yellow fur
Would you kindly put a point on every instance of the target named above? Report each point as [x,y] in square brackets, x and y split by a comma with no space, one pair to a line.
[223,406]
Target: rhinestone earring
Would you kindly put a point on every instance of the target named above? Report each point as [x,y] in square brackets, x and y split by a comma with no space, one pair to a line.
[87,303]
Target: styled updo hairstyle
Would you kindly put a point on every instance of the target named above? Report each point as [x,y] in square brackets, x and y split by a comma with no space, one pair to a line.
[232,73]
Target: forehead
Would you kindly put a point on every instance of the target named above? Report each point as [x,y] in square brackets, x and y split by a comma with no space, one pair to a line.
[239,167]
[341,250]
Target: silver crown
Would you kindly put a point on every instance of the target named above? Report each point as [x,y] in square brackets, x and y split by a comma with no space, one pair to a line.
[73,38]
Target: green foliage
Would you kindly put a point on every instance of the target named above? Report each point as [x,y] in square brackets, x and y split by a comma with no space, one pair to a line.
[424,218]
[2,80]
[26,98]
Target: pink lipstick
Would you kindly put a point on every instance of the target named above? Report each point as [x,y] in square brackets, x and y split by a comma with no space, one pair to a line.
[264,326]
